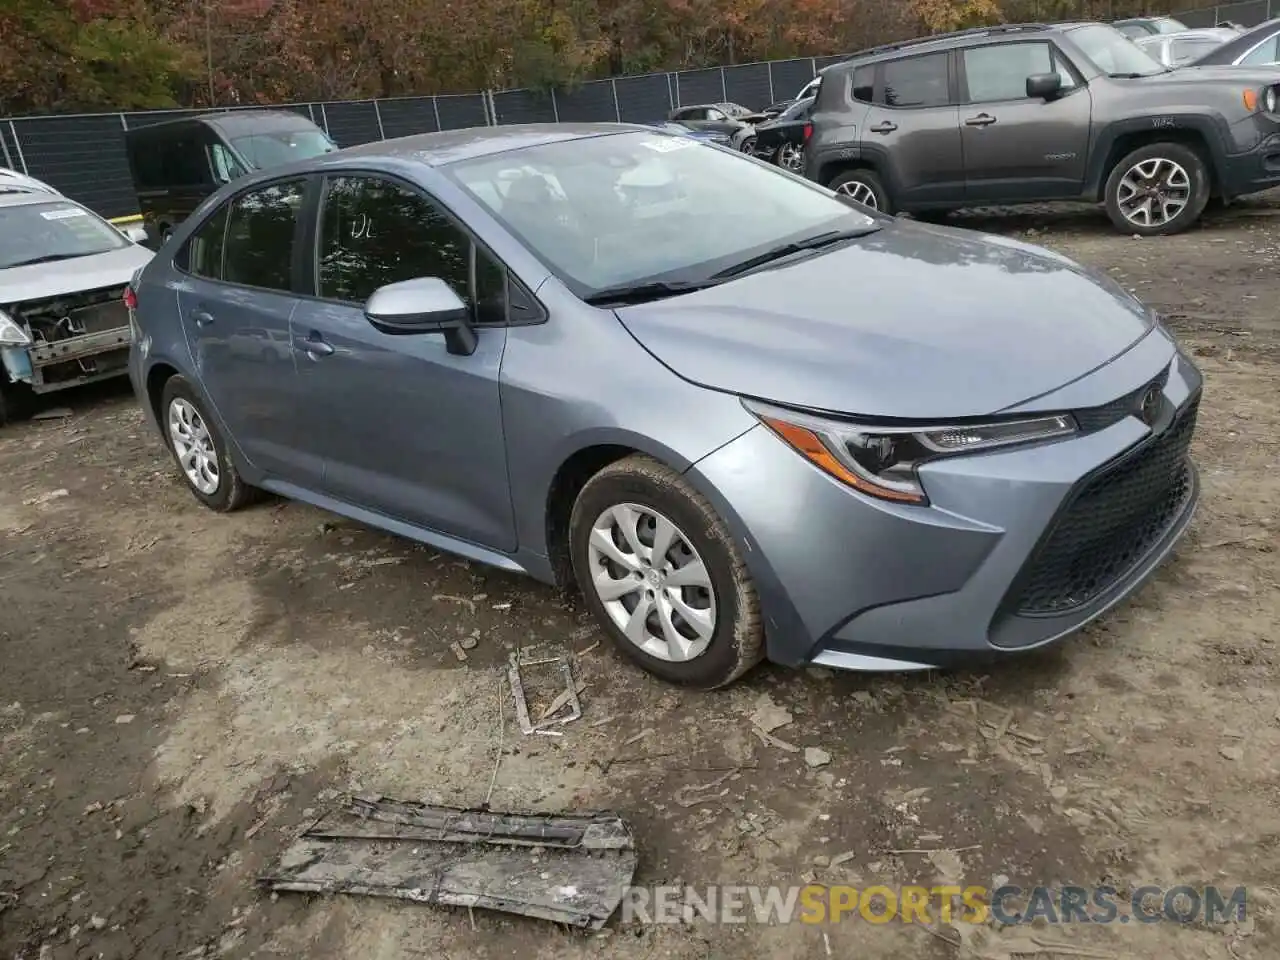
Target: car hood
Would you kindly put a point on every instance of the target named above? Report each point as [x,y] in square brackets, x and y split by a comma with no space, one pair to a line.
[41,280]
[912,321]
[1190,73]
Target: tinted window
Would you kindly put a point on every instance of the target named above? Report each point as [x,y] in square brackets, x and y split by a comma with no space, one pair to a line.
[1265,53]
[1000,72]
[175,160]
[259,245]
[374,232]
[864,82]
[204,249]
[917,82]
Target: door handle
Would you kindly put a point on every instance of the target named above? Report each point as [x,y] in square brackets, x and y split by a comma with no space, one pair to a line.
[884,126]
[981,120]
[314,346]
[202,317]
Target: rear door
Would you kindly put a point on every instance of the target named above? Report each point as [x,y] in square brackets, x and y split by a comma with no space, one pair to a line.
[913,130]
[235,307]
[1015,147]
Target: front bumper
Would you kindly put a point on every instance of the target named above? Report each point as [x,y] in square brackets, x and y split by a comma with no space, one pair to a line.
[1251,172]
[1017,548]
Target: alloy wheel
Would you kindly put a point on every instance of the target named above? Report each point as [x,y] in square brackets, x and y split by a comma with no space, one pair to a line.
[859,192]
[652,583]
[1153,192]
[748,145]
[791,157]
[193,445]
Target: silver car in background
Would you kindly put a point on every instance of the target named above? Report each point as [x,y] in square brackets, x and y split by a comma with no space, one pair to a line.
[63,276]
[1179,49]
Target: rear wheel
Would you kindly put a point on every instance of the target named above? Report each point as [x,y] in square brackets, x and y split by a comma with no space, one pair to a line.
[200,450]
[748,145]
[864,187]
[789,156]
[1157,190]
[661,573]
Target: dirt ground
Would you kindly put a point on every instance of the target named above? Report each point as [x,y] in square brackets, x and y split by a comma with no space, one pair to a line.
[180,692]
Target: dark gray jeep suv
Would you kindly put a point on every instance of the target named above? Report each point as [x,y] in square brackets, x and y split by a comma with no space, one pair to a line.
[1032,112]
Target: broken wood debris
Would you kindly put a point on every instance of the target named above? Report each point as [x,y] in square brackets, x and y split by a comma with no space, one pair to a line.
[567,869]
[569,698]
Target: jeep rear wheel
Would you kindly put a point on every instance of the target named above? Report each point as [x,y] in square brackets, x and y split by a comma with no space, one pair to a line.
[864,187]
[1157,190]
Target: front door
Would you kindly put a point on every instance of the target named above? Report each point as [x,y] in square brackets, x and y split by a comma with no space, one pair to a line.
[407,429]
[1018,148]
[235,308]
[913,129]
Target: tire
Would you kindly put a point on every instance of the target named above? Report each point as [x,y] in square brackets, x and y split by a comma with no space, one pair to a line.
[731,640]
[228,492]
[780,155]
[1184,175]
[748,146]
[16,401]
[862,185]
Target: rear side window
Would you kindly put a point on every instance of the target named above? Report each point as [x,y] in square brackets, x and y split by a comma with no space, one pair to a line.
[260,235]
[1264,53]
[864,84]
[174,160]
[917,82]
[204,249]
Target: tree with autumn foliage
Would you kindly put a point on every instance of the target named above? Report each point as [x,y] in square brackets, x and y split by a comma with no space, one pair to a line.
[67,55]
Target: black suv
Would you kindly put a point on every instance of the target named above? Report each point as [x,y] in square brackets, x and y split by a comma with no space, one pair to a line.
[1032,112]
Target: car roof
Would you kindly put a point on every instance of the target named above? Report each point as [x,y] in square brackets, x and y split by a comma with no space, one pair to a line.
[236,122]
[451,146]
[1239,44]
[1201,33]
[1001,33]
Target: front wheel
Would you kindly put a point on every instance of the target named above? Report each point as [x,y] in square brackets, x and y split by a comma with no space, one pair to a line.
[790,157]
[1157,190]
[748,145]
[864,187]
[660,571]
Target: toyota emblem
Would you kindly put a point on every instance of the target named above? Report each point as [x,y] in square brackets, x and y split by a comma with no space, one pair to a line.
[1150,405]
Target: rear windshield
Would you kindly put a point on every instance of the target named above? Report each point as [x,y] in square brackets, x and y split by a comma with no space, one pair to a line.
[47,232]
[263,150]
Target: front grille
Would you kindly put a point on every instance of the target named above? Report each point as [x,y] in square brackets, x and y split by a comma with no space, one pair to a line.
[1091,419]
[1112,523]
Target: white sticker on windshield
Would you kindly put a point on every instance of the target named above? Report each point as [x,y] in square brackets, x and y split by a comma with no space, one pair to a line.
[65,213]
[667,144]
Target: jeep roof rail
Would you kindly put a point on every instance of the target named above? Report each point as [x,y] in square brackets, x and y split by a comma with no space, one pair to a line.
[954,35]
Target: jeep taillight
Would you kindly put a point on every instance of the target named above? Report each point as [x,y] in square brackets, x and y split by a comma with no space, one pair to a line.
[808,132]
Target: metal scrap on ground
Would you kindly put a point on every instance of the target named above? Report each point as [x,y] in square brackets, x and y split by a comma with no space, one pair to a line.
[568,869]
[567,699]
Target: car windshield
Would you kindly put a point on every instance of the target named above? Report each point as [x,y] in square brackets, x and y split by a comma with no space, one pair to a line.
[625,209]
[59,230]
[1169,25]
[263,150]
[1113,53]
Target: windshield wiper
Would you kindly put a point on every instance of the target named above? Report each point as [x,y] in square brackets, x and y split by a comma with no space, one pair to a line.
[795,246]
[47,258]
[644,292]
[1134,75]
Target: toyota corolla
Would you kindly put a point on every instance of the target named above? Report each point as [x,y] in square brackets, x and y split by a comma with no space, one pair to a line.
[793,429]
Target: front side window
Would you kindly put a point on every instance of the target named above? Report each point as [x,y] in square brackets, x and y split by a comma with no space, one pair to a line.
[864,84]
[1264,53]
[714,114]
[204,249]
[225,166]
[374,232]
[1000,72]
[917,82]
[32,233]
[264,150]
[625,208]
[260,236]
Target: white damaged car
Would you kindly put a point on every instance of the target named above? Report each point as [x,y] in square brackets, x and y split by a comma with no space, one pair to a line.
[64,272]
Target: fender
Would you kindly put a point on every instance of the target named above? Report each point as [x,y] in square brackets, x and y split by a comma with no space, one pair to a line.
[821,167]
[1212,129]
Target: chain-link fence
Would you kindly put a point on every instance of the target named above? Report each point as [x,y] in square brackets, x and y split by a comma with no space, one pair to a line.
[83,155]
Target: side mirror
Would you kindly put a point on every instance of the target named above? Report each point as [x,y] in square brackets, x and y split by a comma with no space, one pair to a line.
[423,305]
[1044,86]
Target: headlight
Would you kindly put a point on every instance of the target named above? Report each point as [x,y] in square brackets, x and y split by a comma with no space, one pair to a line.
[1269,100]
[882,461]
[12,335]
